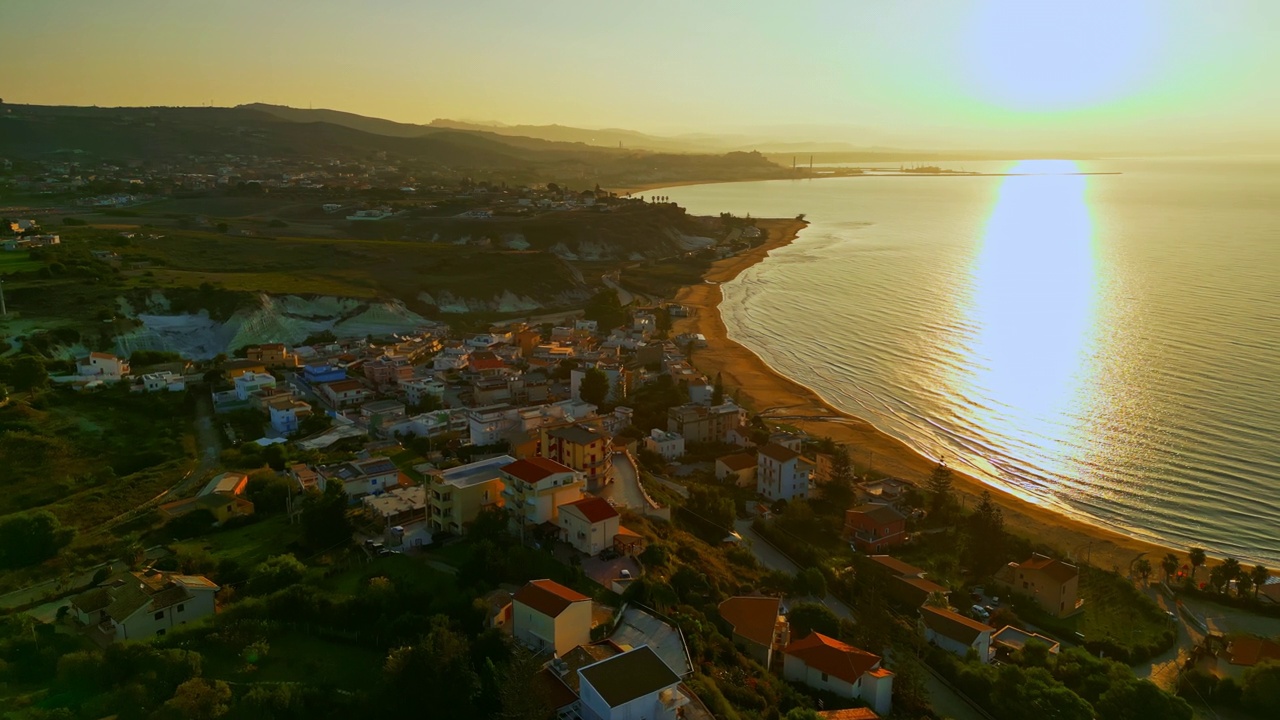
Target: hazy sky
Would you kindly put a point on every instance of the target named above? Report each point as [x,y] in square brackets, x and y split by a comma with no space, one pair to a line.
[1114,75]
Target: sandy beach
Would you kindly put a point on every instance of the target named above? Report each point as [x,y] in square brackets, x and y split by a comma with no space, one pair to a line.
[763,390]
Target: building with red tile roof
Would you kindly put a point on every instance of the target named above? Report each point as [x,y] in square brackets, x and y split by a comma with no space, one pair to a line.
[824,663]
[589,525]
[548,616]
[759,627]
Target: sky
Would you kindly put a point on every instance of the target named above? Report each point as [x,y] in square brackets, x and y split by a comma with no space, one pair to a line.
[1088,75]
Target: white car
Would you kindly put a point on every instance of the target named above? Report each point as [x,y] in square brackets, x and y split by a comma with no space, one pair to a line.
[980,611]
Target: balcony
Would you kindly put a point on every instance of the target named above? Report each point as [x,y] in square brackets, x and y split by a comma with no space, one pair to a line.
[672,699]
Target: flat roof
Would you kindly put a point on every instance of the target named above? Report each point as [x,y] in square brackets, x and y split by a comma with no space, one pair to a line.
[476,472]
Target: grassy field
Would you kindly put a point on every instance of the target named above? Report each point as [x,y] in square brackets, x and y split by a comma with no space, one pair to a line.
[16,262]
[247,545]
[664,278]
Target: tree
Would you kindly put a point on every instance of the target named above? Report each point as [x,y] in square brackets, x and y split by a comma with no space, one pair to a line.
[594,387]
[1261,689]
[1139,700]
[807,617]
[940,490]
[31,538]
[200,699]
[1169,565]
[324,518]
[1197,558]
[276,573]
[1259,575]
[838,491]
[717,391]
[986,534]
[522,695]
[438,667]
[28,374]
[1218,578]
[1230,569]
[810,581]
[1143,568]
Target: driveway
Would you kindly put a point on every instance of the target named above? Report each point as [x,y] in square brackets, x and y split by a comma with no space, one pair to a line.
[772,558]
[604,572]
[624,491]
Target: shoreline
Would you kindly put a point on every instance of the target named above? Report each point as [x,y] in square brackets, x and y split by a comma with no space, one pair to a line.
[767,391]
[646,187]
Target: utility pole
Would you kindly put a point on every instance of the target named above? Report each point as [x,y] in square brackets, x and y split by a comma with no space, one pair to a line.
[4,310]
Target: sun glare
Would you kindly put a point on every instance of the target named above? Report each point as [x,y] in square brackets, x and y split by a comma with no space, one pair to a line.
[1041,57]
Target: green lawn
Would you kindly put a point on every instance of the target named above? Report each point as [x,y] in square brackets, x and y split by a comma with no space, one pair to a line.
[16,262]
[247,545]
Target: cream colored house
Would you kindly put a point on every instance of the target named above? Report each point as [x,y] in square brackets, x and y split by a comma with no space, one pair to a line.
[589,524]
[137,605]
[457,495]
[546,615]
[535,488]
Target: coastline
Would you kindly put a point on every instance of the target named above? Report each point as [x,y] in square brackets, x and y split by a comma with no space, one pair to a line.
[765,390]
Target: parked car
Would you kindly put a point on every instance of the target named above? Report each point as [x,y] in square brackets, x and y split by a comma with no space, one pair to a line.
[608,554]
[979,612]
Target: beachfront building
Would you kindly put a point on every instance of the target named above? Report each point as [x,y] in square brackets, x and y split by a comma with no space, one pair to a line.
[875,527]
[1052,583]
[782,473]
[701,424]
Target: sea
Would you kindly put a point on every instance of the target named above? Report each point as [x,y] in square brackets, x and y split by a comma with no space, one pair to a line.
[1107,345]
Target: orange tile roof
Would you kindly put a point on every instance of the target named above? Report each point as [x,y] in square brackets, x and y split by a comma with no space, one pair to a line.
[624,531]
[952,624]
[548,597]
[754,618]
[1055,569]
[833,657]
[879,513]
[738,461]
[896,566]
[594,509]
[533,469]
[778,452]
[1249,650]
[850,713]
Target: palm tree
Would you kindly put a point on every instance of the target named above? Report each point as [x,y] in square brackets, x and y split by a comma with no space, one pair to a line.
[1169,565]
[1217,578]
[1196,556]
[1243,582]
[1230,569]
[1143,566]
[1258,575]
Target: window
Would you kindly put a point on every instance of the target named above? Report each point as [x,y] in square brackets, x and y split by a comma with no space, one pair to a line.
[160,615]
[160,631]
[181,607]
[824,677]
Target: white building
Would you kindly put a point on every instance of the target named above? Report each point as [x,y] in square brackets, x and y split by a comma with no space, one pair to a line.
[287,414]
[363,477]
[782,473]
[667,444]
[451,358]
[102,366]
[137,606]
[956,633]
[417,390]
[589,524]
[824,663]
[432,424]
[252,382]
[635,685]
[165,380]
[546,615]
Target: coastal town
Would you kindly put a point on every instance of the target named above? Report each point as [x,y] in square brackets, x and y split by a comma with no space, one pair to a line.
[354,434]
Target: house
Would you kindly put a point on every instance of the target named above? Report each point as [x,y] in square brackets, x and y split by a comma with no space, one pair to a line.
[759,627]
[136,606]
[457,495]
[1052,583]
[535,488]
[287,414]
[665,443]
[387,370]
[306,478]
[236,368]
[451,358]
[956,633]
[252,382]
[221,496]
[272,355]
[165,380]
[589,525]
[345,393]
[782,473]
[316,373]
[398,506]
[738,468]
[1249,650]
[630,686]
[102,366]
[378,413]
[875,527]
[885,490]
[1010,639]
[417,390]
[906,583]
[824,663]
[700,424]
[585,449]
[363,477]
[548,616]
[860,713]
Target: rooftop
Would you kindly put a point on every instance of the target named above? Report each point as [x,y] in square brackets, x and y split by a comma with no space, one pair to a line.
[779,453]
[1056,569]
[879,513]
[949,623]
[754,618]
[896,566]
[833,657]
[476,472]
[535,469]
[633,674]
[594,509]
[638,627]
[548,597]
[576,434]
[738,461]
[1017,638]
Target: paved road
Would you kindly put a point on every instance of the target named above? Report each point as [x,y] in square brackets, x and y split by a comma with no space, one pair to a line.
[625,297]
[675,487]
[772,558]
[624,491]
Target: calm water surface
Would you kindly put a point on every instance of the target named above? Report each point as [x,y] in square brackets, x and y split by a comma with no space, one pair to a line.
[1108,345]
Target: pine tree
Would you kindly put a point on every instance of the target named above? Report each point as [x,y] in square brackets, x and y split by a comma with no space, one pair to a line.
[717,392]
[940,490]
